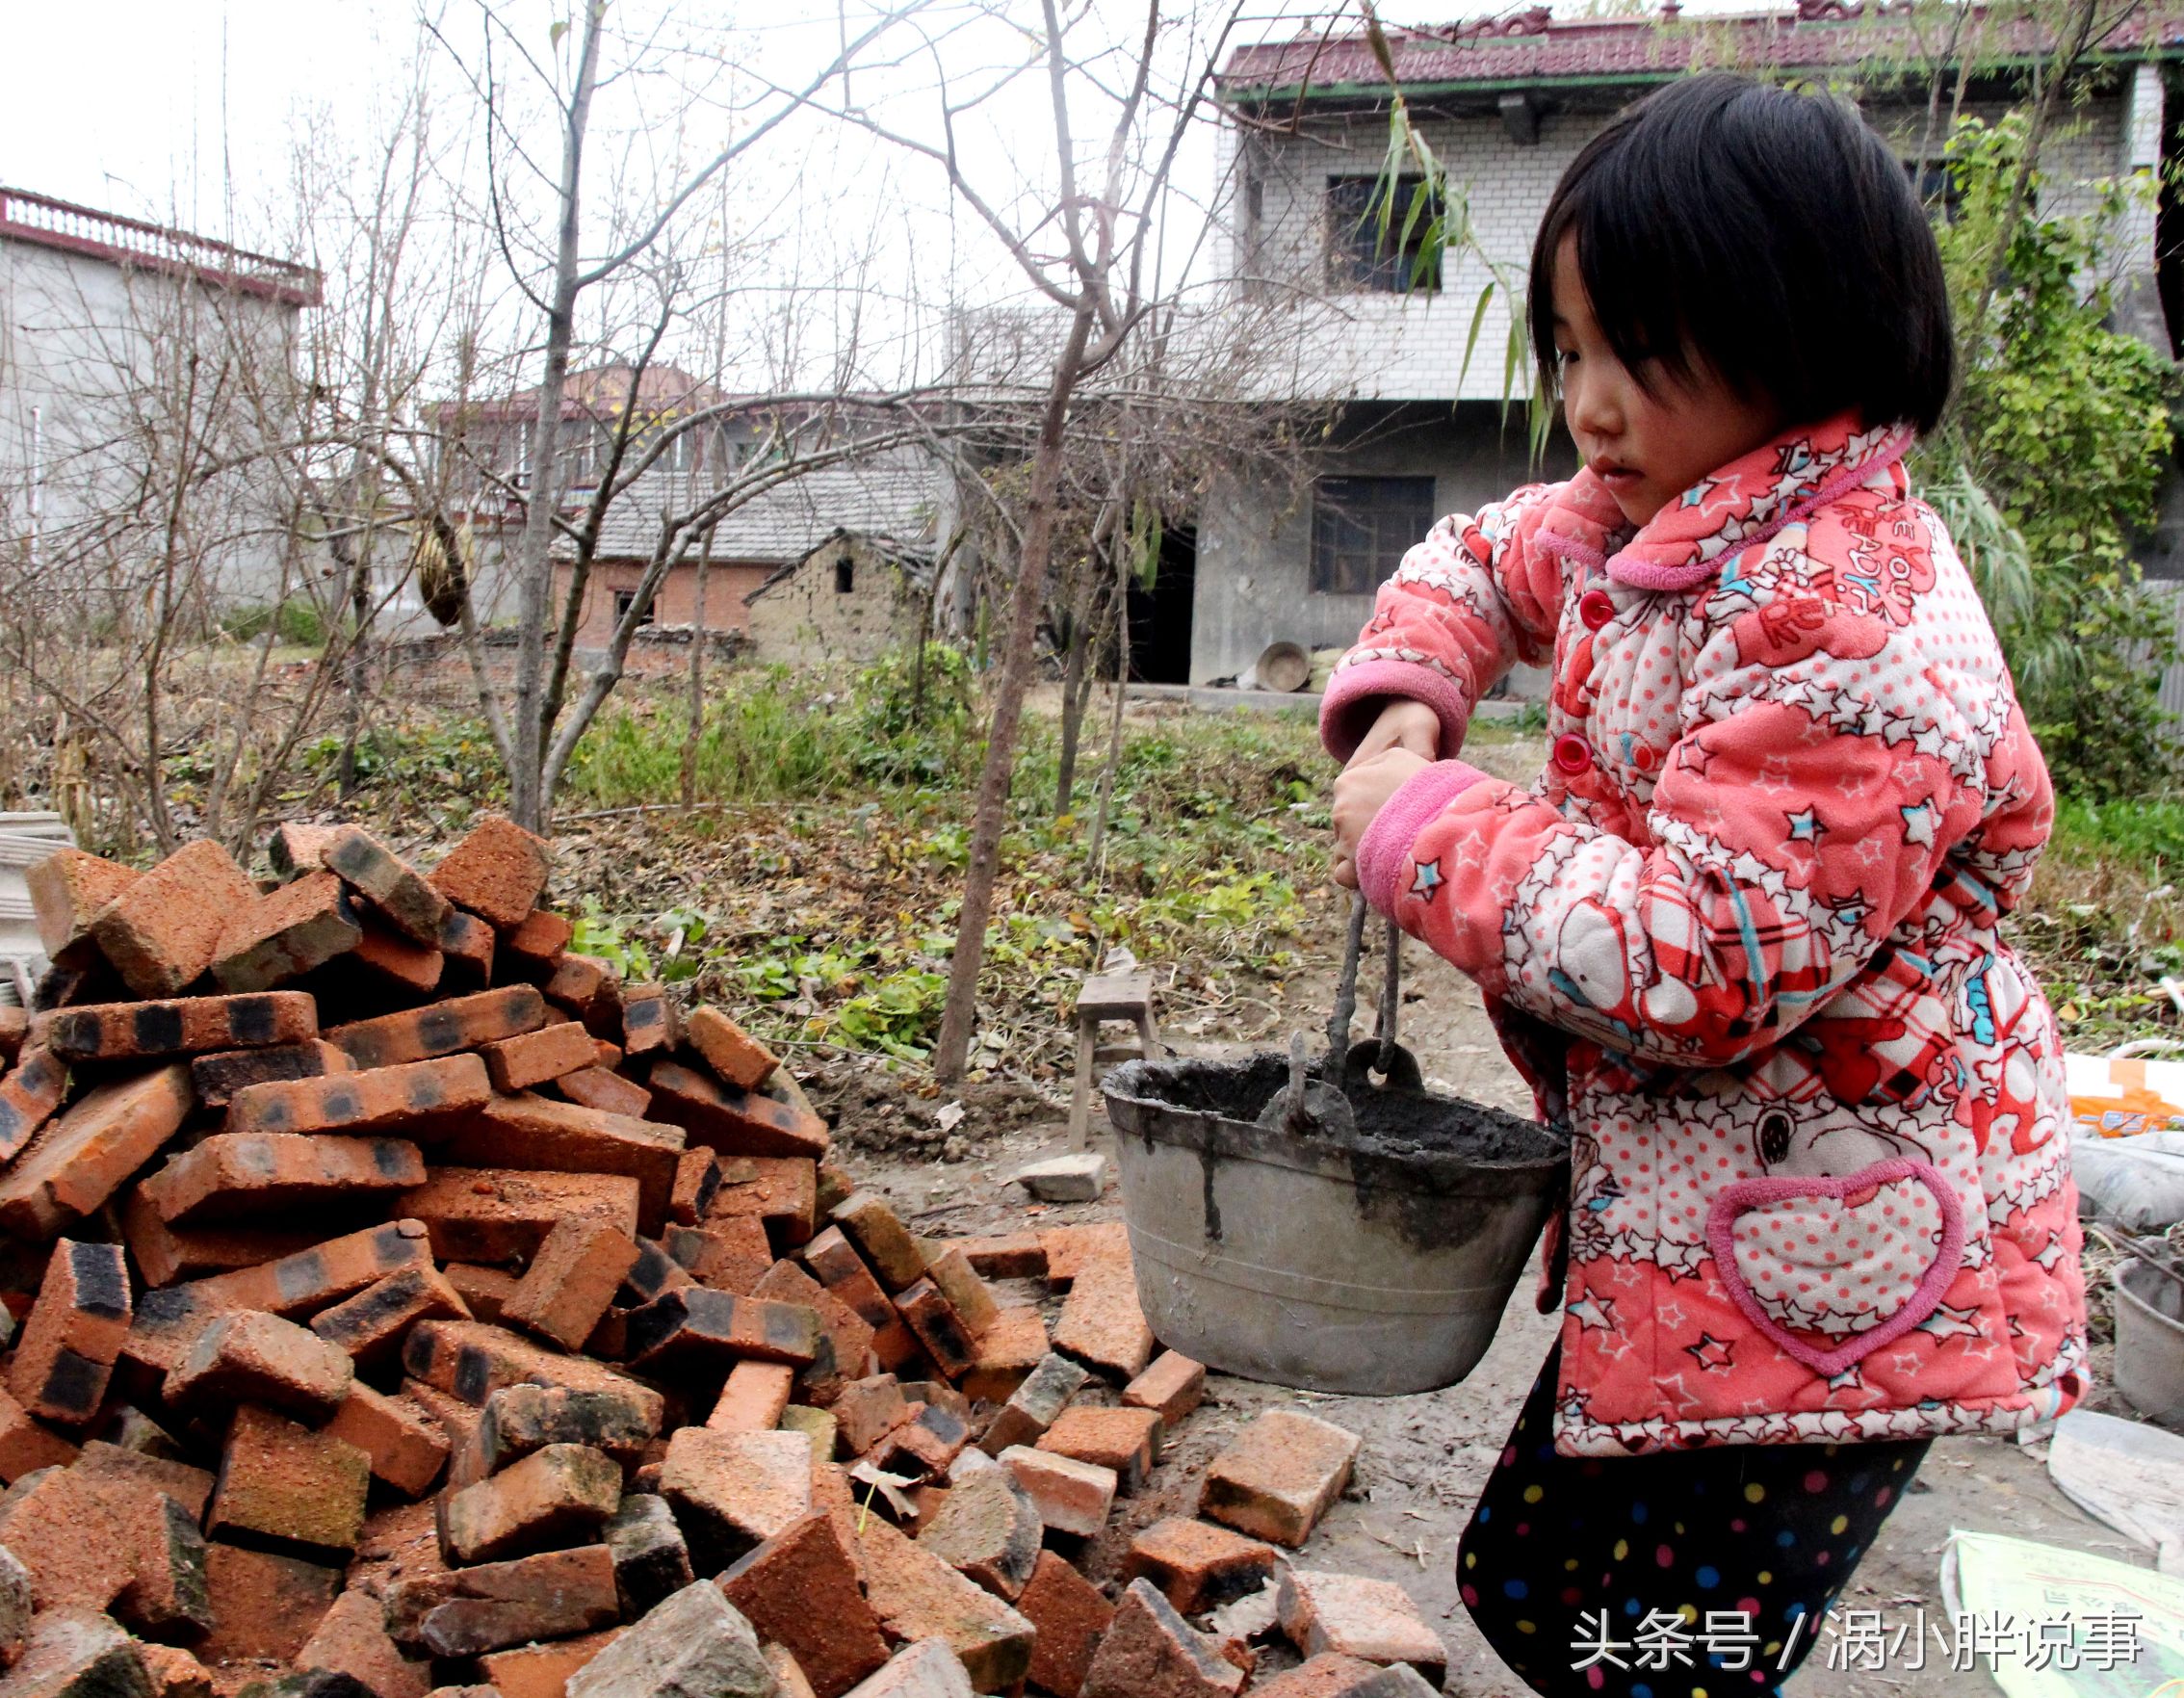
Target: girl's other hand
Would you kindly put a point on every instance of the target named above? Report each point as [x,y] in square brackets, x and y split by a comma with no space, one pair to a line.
[1403,723]
[1360,791]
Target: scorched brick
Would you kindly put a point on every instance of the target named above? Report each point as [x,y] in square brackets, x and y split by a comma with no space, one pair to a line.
[186,1025]
[417,1097]
[738,1058]
[533,1058]
[163,928]
[500,1215]
[239,1176]
[67,1350]
[697,1326]
[535,1133]
[396,889]
[217,1078]
[29,1097]
[86,1155]
[732,1121]
[442,1028]
[286,934]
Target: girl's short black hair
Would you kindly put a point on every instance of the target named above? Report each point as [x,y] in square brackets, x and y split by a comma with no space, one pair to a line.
[1768,236]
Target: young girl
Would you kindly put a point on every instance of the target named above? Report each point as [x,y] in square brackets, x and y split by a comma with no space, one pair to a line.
[1743,934]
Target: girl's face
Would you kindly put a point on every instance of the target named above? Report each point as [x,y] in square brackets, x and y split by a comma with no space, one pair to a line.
[1646,448]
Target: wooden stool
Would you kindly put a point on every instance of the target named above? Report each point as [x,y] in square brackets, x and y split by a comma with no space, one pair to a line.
[1125,997]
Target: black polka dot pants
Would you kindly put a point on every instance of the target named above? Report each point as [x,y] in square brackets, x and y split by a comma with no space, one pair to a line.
[1689,1574]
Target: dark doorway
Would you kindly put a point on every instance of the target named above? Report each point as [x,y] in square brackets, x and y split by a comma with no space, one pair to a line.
[1159,617]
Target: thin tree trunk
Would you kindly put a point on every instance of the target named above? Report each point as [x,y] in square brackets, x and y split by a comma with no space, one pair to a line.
[694,729]
[1075,687]
[960,1015]
[1095,847]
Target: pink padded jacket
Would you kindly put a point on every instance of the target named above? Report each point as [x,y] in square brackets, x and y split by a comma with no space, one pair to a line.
[1743,933]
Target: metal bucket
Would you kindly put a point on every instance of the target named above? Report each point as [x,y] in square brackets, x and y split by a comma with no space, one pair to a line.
[1376,1268]
[2149,1341]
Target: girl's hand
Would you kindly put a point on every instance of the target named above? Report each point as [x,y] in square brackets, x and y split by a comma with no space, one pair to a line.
[1362,791]
[1402,723]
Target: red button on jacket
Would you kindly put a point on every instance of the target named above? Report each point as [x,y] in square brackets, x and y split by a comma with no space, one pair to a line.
[1595,607]
[1572,753]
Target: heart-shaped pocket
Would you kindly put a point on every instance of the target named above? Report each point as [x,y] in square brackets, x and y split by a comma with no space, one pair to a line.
[1750,1195]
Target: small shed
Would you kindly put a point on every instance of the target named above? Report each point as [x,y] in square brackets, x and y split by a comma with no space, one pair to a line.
[853,597]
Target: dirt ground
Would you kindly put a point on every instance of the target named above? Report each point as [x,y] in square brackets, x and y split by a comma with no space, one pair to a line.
[1424,1457]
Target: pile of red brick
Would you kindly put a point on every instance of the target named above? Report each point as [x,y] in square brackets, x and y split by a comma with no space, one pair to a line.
[405,1302]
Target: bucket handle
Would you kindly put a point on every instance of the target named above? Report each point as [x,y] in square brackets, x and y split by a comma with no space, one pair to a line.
[1354,1065]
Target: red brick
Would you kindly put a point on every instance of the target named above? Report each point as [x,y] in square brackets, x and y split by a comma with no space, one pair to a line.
[571,1281]
[728,1255]
[652,1274]
[25,1447]
[498,872]
[888,1248]
[589,988]
[420,1098]
[473,1361]
[733,1053]
[286,934]
[29,1095]
[533,1058]
[789,1678]
[67,890]
[1199,1566]
[697,1177]
[799,1589]
[839,1268]
[496,1605]
[733,1489]
[595,1088]
[732,1121]
[173,1672]
[86,1155]
[1354,1615]
[190,1487]
[1068,1248]
[541,1135]
[66,1351]
[185,1026]
[1279,1476]
[1151,1652]
[498,1215]
[1101,1325]
[442,1028]
[849,1334]
[466,949]
[265,1606]
[14,1028]
[1017,1256]
[521,1418]
[1073,1496]
[782,1192]
[815,1424]
[987,1530]
[370,1326]
[938,1327]
[1124,1439]
[397,963]
[233,1176]
[323,1274]
[925,1444]
[649,1020]
[1072,1618]
[698,1327]
[252,1357]
[897,1349]
[484,1291]
[752,1399]
[457,1422]
[543,1671]
[966,1292]
[293,848]
[352,1639]
[917,1596]
[407,1447]
[1034,1405]
[866,1410]
[835,1185]
[1328,1675]
[160,932]
[217,1078]
[396,891]
[1012,1348]
[1173,1386]
[555,1497]
[531,949]
[283,1482]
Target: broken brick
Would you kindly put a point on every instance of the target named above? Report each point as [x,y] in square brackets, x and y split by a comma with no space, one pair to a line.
[849,1336]
[533,1058]
[1151,1652]
[185,1026]
[497,872]
[926,1444]
[173,1672]
[733,1490]
[1171,1387]
[1276,1477]
[835,1261]
[595,1088]
[866,1410]
[285,934]
[1012,1348]
[160,932]
[1017,1256]
[1355,1615]
[1073,1496]
[1124,1439]
[653,1273]
[799,1588]
[651,1559]
[938,1327]
[988,1531]
[520,1418]
[695,1642]
[78,1653]
[352,1639]
[501,1214]
[293,848]
[25,1447]
[966,1292]
[888,1247]
[494,1605]
[473,1361]
[698,1326]
[735,1056]
[1068,1248]
[543,1671]
[64,1532]
[780,1192]
[398,963]
[542,1135]
[29,1097]
[753,1398]
[1328,1675]
[265,1606]
[88,1153]
[282,1482]
[733,1121]
[571,1281]
[815,1424]
[252,1357]
[1199,1566]
[917,1596]
[412,1096]
[730,1255]
[217,1078]
[190,1487]
[1101,1325]
[67,1350]
[396,891]
[323,1274]
[589,988]
[466,951]
[370,1326]
[534,947]
[407,1447]
[649,1021]
[67,890]
[234,1176]
[556,1496]
[482,1290]
[697,1177]
[1072,1618]
[927,1669]
[442,1028]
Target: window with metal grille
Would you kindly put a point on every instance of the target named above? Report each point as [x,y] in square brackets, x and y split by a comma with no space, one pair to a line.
[626,599]
[1360,255]
[1361,528]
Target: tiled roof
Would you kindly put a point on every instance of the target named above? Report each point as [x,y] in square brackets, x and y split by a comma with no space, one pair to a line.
[1533,48]
[898,493]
